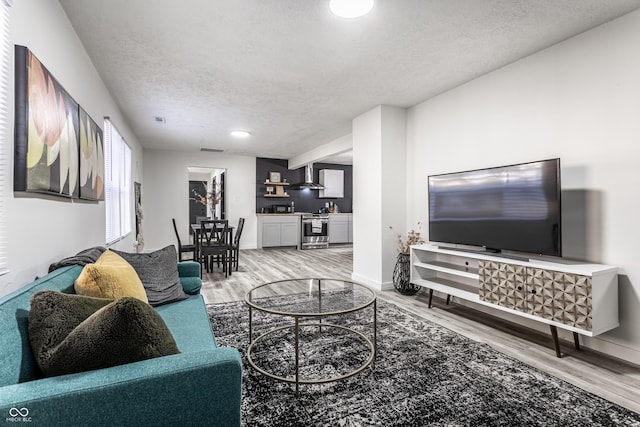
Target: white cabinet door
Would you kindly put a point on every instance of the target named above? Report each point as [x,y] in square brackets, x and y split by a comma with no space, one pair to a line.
[338,229]
[333,182]
[270,235]
[289,234]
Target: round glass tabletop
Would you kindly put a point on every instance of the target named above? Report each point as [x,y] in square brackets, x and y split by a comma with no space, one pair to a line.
[310,297]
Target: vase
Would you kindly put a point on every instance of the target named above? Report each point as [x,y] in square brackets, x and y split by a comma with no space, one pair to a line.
[401,276]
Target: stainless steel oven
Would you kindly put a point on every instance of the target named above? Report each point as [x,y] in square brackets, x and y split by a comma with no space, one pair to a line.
[315,231]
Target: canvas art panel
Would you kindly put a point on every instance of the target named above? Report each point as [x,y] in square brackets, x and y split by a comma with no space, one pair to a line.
[46,131]
[91,159]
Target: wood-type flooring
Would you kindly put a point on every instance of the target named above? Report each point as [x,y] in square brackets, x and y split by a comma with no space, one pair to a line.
[610,378]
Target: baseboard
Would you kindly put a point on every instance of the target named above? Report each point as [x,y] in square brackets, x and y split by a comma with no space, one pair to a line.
[372,283]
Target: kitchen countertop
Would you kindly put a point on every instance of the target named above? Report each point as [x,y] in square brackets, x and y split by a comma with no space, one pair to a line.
[280,214]
[298,213]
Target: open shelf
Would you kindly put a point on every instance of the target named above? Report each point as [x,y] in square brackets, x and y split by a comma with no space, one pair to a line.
[454,269]
[450,287]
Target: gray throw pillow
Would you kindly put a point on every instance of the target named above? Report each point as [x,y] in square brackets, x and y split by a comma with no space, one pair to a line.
[158,272]
[73,333]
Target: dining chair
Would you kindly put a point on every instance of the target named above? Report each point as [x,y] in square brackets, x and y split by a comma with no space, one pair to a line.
[234,248]
[213,243]
[183,249]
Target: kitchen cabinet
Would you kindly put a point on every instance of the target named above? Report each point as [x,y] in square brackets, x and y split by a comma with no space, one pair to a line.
[340,228]
[290,233]
[278,230]
[333,182]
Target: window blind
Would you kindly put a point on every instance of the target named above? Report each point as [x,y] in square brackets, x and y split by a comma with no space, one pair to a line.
[5,141]
[117,184]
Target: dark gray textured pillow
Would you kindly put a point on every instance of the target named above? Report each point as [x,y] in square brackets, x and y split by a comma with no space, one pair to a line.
[74,333]
[158,272]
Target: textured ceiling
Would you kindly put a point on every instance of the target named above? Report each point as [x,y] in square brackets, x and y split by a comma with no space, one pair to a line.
[292,73]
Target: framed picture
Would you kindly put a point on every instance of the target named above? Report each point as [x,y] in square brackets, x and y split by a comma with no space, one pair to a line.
[275,177]
[91,159]
[46,131]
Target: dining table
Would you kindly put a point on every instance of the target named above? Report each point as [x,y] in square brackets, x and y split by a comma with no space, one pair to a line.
[196,238]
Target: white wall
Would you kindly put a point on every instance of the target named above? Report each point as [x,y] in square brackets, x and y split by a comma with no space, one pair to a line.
[165,193]
[579,101]
[379,196]
[44,230]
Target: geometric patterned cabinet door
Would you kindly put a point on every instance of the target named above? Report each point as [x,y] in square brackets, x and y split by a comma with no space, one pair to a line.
[502,284]
[558,296]
[552,295]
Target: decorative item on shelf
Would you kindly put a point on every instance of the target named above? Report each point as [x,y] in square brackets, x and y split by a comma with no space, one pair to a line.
[275,185]
[275,177]
[402,269]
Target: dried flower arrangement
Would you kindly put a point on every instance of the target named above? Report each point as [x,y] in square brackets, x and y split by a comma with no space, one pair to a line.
[413,238]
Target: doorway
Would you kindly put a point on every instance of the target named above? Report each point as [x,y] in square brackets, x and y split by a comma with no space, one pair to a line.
[206,194]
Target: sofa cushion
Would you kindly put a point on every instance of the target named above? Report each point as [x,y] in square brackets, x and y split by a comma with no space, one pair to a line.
[73,333]
[110,277]
[158,272]
[17,364]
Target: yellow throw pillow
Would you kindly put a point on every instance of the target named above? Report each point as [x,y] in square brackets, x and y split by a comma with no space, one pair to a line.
[110,277]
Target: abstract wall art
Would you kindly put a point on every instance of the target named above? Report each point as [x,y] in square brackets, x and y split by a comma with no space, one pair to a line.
[46,131]
[91,159]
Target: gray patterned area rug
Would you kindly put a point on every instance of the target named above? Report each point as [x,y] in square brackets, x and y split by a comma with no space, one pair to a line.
[424,375]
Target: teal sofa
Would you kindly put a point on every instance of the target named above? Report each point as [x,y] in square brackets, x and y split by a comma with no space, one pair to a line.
[199,386]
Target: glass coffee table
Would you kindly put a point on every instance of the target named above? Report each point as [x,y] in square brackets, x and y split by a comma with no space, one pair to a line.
[319,304]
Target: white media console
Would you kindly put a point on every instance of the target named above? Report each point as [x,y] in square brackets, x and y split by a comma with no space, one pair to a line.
[581,298]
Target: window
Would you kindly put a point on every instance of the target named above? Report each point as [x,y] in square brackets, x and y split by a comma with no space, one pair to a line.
[117,169]
[5,139]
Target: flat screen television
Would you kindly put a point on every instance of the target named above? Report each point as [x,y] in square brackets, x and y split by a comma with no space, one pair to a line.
[508,208]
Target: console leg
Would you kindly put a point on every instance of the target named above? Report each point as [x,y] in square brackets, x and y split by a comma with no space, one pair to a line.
[430,297]
[556,342]
[576,340]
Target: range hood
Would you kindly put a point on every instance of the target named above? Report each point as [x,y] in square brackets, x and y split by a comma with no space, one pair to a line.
[308,180]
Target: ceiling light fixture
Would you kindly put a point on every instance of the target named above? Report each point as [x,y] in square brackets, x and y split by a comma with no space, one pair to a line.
[240,133]
[350,8]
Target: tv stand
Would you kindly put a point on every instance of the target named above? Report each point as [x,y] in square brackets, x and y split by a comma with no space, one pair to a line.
[487,251]
[577,297]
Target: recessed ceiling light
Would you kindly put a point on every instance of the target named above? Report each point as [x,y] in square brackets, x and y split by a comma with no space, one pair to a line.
[350,8]
[240,133]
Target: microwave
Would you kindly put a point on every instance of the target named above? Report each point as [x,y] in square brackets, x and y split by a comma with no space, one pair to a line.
[281,208]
